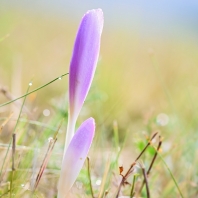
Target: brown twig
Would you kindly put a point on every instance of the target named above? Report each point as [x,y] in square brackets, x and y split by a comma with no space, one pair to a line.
[124,177]
[89,176]
[13,150]
[45,162]
[145,179]
[148,144]
[47,157]
[152,162]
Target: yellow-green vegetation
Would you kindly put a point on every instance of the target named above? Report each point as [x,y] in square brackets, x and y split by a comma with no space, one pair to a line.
[142,85]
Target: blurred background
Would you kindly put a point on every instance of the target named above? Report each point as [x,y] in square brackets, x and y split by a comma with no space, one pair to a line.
[146,79]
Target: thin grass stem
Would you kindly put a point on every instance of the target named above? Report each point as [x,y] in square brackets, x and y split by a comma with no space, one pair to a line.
[13,168]
[11,101]
[133,186]
[37,123]
[172,176]
[14,140]
[89,176]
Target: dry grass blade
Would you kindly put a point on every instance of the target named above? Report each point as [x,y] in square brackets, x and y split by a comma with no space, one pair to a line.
[46,158]
[5,122]
[104,178]
[45,162]
[5,171]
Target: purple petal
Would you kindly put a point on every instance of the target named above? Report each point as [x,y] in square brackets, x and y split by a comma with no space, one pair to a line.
[75,156]
[84,59]
[83,65]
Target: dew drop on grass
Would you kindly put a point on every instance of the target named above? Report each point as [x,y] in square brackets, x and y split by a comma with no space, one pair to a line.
[30,84]
[98,182]
[162,119]
[50,139]
[46,112]
[22,185]
[60,78]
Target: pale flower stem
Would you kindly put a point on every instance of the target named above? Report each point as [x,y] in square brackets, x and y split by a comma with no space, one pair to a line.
[70,131]
[60,194]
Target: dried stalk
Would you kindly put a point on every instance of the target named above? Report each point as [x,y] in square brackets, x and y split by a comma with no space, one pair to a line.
[124,177]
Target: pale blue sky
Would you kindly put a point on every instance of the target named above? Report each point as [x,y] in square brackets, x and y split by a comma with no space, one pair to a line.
[155,17]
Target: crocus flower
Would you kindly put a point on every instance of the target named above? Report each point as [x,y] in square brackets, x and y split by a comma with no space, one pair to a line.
[82,69]
[75,156]
[83,65]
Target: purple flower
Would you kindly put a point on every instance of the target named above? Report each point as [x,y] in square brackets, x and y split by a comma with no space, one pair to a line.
[75,156]
[82,69]
[83,65]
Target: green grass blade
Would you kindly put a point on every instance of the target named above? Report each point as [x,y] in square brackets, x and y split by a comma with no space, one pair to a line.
[11,101]
[171,174]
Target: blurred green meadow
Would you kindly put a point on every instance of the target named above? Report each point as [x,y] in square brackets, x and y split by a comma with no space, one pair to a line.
[144,83]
